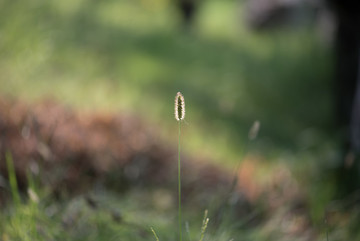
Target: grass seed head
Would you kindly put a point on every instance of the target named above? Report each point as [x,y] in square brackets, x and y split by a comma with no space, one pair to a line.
[179,107]
[254,130]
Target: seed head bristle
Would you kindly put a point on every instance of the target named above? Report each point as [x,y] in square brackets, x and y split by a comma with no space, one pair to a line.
[254,130]
[179,107]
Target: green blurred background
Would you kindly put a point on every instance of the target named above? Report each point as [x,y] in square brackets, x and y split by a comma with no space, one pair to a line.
[132,56]
[135,55]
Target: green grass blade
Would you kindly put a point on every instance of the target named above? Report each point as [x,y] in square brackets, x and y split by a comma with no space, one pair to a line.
[153,231]
[204,225]
[187,228]
[12,178]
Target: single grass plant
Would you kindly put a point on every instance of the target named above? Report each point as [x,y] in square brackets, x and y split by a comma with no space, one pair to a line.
[179,116]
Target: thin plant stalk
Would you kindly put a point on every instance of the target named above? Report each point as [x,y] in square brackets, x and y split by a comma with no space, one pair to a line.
[179,116]
[204,225]
[252,135]
[179,183]
[12,179]
[188,230]
[154,233]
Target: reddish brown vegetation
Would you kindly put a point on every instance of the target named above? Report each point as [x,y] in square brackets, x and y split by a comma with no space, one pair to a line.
[73,149]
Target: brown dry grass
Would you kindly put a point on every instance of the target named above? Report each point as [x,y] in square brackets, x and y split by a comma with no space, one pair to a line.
[73,149]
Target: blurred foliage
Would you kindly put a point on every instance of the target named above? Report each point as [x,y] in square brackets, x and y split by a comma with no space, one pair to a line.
[134,55]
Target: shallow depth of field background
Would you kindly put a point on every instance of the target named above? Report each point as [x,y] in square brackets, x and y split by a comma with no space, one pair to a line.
[132,56]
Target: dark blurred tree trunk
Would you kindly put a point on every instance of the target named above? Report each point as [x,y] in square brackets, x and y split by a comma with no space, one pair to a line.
[188,10]
[347,77]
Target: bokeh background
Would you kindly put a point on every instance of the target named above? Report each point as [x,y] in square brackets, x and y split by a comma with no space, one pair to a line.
[234,64]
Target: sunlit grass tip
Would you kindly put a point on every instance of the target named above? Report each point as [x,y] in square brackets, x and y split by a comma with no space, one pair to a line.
[254,130]
[154,233]
[179,107]
[204,225]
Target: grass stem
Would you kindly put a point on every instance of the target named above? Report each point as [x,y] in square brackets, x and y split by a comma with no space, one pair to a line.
[12,179]
[179,184]
[154,233]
